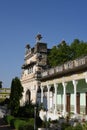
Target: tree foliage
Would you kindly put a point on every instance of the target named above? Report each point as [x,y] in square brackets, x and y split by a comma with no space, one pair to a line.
[63,52]
[79,48]
[15,95]
[0,84]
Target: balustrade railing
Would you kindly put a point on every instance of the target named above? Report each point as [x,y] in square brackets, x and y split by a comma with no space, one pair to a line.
[59,68]
[4,90]
[68,65]
[79,62]
[51,71]
[45,73]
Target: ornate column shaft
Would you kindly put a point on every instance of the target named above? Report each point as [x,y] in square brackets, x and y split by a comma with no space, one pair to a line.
[48,97]
[55,99]
[41,94]
[75,85]
[64,97]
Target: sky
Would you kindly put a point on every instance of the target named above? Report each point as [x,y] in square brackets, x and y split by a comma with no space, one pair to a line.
[22,20]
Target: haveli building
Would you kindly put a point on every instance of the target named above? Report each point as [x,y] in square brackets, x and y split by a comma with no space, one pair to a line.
[62,88]
[4,93]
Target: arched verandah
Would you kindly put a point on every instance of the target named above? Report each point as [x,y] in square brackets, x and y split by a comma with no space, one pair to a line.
[81,96]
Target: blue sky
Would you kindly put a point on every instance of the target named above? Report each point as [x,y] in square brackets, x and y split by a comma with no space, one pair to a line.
[22,20]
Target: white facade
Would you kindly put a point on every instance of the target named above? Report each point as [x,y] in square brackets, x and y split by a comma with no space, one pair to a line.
[35,60]
[61,89]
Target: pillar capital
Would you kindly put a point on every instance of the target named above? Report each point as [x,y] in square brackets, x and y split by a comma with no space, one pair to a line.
[64,84]
[86,80]
[41,87]
[55,85]
[75,82]
[48,86]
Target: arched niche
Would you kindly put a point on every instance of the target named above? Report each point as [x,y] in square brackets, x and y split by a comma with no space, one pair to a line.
[28,96]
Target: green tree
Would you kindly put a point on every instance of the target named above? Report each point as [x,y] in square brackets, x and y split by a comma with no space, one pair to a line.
[15,95]
[0,84]
[63,52]
[79,48]
[52,57]
[60,54]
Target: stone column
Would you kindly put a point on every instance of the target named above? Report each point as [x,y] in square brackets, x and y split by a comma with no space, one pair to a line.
[55,99]
[48,97]
[41,94]
[75,107]
[64,97]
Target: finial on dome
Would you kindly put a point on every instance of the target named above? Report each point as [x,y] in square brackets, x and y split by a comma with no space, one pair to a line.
[27,46]
[38,37]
